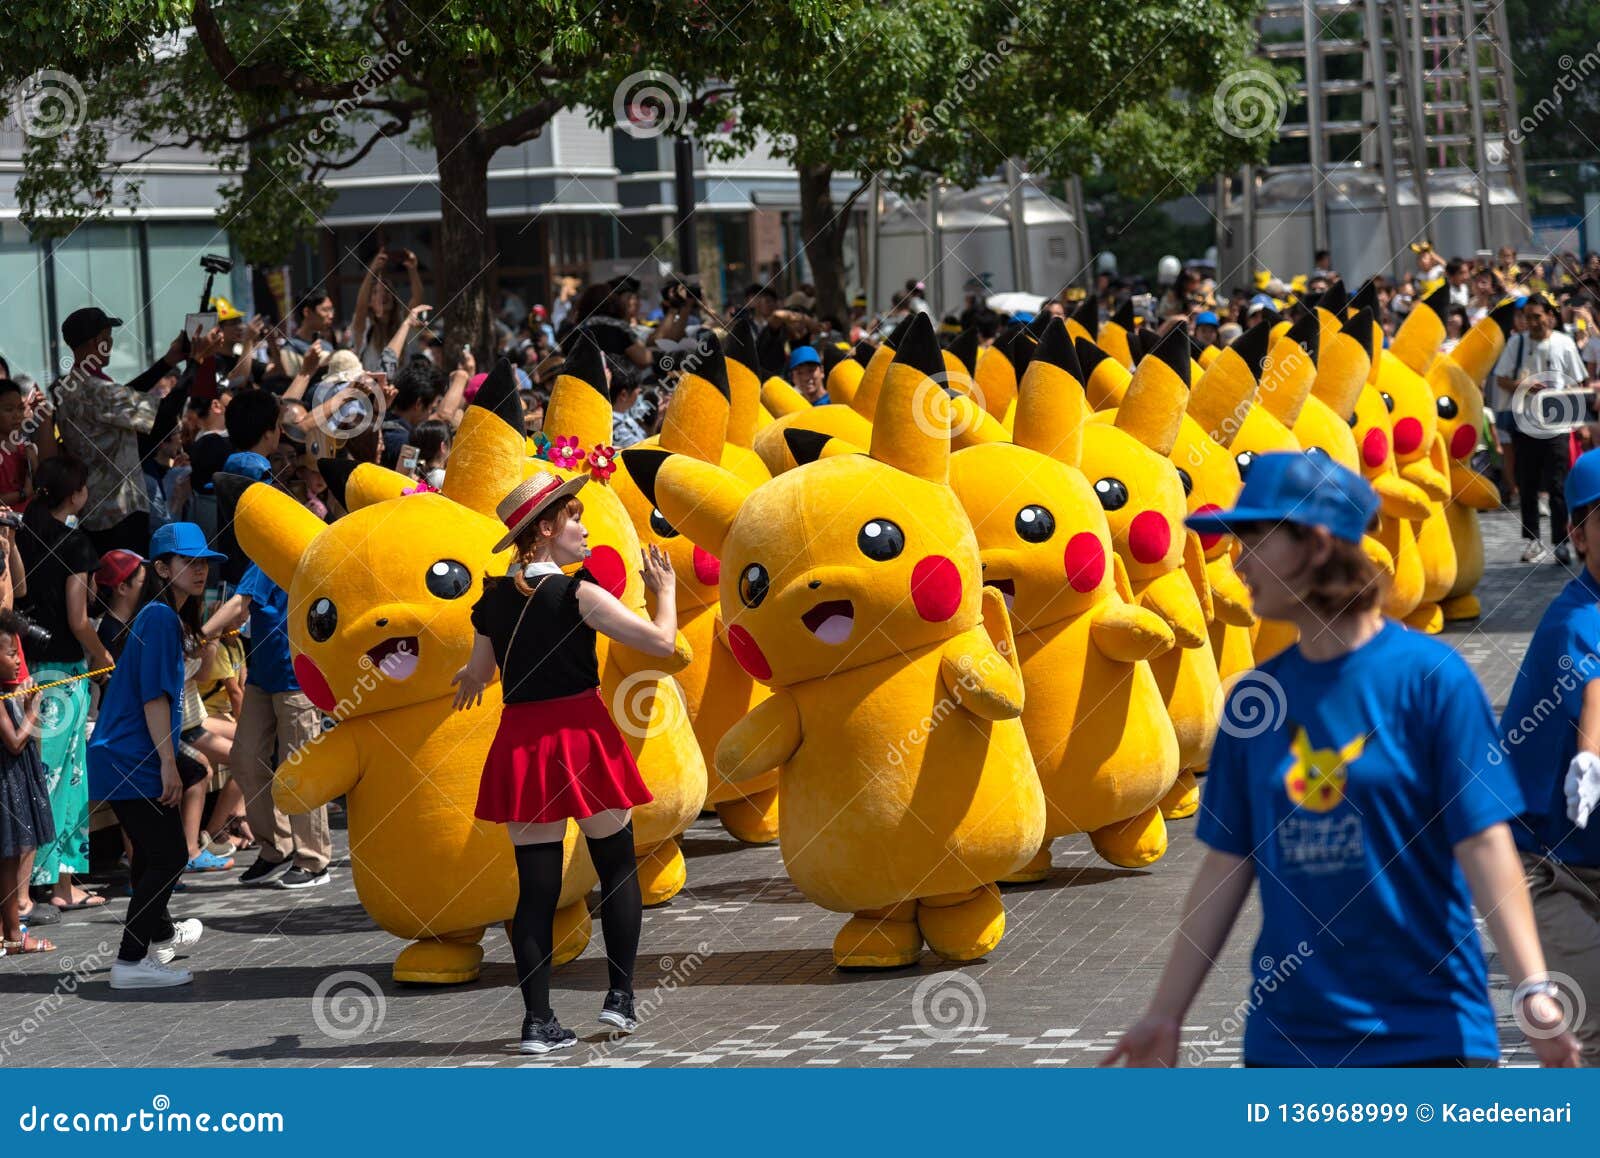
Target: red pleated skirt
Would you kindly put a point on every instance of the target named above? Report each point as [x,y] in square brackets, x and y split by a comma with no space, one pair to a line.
[554,759]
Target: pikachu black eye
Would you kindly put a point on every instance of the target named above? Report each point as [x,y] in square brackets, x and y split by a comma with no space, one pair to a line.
[1388,400]
[448,579]
[1035,524]
[754,583]
[1112,493]
[1245,460]
[322,620]
[1188,483]
[660,526]
[881,540]
[1447,407]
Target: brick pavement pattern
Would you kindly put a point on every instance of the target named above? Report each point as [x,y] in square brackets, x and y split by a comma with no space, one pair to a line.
[735,971]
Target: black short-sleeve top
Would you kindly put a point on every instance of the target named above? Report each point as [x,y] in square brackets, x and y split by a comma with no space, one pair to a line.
[544,648]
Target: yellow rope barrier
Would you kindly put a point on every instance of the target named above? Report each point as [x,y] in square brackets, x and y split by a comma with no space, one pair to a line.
[89,675]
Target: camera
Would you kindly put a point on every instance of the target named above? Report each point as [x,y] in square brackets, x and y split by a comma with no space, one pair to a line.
[12,519]
[397,260]
[214,263]
[31,634]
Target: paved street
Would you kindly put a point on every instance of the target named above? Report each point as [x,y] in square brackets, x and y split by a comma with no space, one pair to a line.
[735,971]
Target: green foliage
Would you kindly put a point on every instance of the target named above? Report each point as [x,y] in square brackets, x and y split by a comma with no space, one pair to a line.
[1556,47]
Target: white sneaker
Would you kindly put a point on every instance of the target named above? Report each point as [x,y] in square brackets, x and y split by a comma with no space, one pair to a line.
[147,974]
[184,934]
[1534,552]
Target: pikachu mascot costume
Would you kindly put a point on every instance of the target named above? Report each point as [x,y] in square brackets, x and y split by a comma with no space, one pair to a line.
[1127,455]
[1099,732]
[644,699]
[855,592]
[1420,455]
[379,621]
[1456,379]
[717,691]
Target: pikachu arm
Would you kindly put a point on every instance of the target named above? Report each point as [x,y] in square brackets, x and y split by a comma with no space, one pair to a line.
[321,770]
[1127,633]
[1194,565]
[1230,598]
[1172,597]
[768,736]
[1379,554]
[1426,474]
[1471,489]
[980,669]
[632,662]
[1399,498]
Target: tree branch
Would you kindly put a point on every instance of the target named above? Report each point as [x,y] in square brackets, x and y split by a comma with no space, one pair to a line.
[855,195]
[258,76]
[524,126]
[392,129]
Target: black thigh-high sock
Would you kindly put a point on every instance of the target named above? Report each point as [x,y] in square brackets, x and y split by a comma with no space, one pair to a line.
[621,909]
[533,926]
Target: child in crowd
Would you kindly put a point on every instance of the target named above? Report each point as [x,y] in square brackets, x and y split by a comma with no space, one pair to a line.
[25,821]
[119,585]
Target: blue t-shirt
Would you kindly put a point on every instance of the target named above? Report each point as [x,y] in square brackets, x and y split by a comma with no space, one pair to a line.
[1348,792]
[267,663]
[123,764]
[1539,730]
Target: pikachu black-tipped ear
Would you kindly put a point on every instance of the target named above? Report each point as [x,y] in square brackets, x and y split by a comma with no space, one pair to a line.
[1308,332]
[1336,299]
[698,498]
[1152,408]
[1221,400]
[1019,350]
[1416,342]
[498,395]
[489,449]
[702,407]
[911,423]
[580,400]
[587,363]
[1362,329]
[1055,349]
[711,364]
[1124,315]
[643,463]
[863,352]
[1173,349]
[965,348]
[1483,343]
[1504,316]
[1439,301]
[811,445]
[1105,380]
[918,348]
[742,345]
[1365,298]
[1252,346]
[1087,315]
[336,473]
[1286,379]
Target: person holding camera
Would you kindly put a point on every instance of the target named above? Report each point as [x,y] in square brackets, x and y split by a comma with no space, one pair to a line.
[379,312]
[59,643]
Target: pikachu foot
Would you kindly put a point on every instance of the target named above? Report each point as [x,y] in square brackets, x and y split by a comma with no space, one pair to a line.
[661,872]
[1461,607]
[1035,870]
[1133,843]
[1428,618]
[451,960]
[963,926]
[879,939]
[1183,798]
[752,819]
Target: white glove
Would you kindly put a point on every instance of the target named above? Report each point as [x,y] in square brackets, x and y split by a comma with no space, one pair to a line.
[1582,787]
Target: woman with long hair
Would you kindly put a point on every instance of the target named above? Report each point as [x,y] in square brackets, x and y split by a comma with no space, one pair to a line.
[135,761]
[60,561]
[379,311]
[557,754]
[1357,779]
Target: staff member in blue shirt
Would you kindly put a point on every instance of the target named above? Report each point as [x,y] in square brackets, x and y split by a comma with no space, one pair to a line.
[1354,778]
[134,762]
[1550,734]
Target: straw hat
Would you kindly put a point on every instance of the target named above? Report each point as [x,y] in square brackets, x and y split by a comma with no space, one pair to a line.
[530,498]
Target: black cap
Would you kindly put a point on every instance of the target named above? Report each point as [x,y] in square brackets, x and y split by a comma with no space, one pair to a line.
[84,325]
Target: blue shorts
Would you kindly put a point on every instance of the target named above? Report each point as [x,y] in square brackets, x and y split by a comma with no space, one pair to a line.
[1504,421]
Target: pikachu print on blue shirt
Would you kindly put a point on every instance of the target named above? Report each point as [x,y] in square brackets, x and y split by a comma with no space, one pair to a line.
[1319,836]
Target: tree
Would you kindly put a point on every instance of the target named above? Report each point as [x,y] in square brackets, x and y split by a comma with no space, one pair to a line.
[284,92]
[1558,77]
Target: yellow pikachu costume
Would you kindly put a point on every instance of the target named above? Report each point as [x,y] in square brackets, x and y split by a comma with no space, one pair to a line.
[644,699]
[380,609]
[1098,730]
[1128,461]
[1456,380]
[1420,456]
[717,691]
[855,592]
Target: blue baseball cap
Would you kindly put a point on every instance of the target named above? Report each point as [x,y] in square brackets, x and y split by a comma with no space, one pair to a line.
[1309,489]
[1583,481]
[805,356]
[186,540]
[1206,318]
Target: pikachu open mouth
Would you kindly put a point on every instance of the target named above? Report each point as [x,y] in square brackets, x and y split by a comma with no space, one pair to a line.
[1006,587]
[831,621]
[395,657]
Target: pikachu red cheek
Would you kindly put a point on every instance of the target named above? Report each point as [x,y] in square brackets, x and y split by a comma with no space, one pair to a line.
[936,588]
[1149,537]
[748,652]
[313,683]
[707,567]
[1208,539]
[1463,442]
[605,564]
[1407,435]
[1085,561]
[1375,448]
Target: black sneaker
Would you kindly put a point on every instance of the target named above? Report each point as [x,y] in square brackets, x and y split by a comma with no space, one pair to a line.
[299,878]
[618,1011]
[264,871]
[545,1036]
[1564,555]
